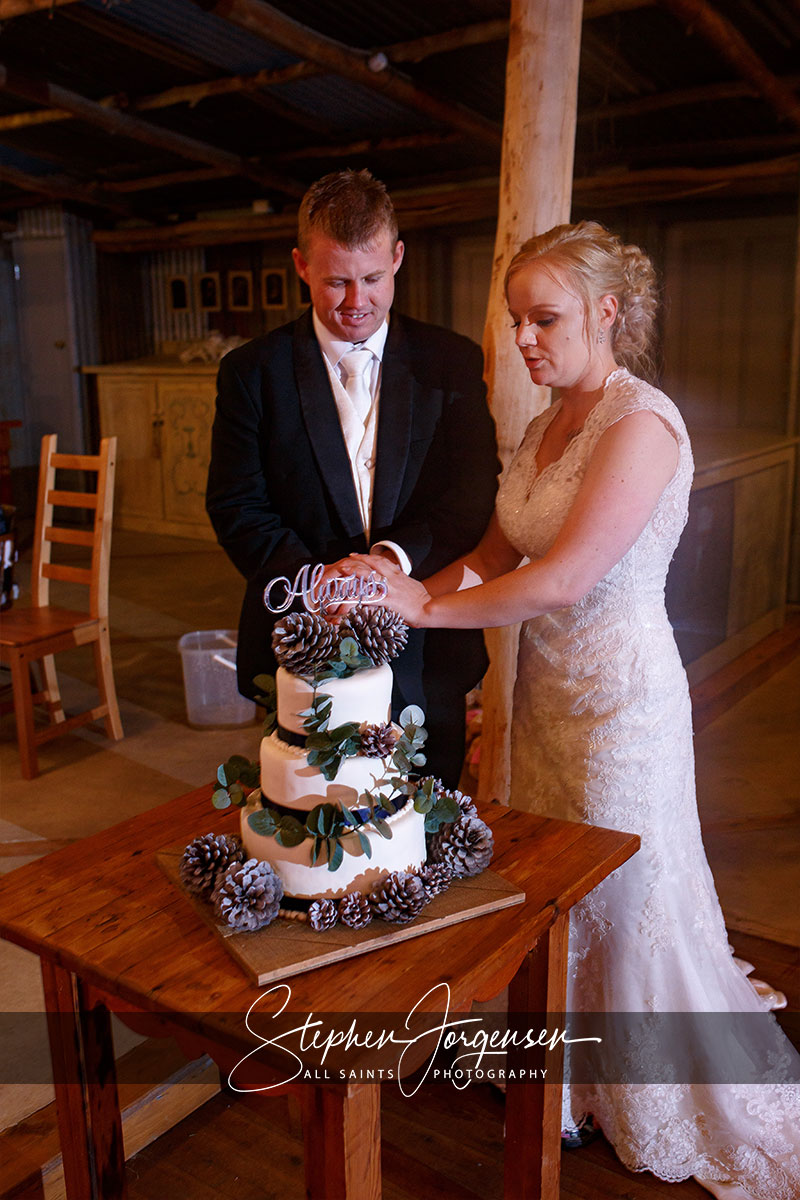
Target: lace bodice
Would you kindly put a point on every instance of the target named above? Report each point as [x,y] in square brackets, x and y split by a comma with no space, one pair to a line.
[601,732]
[532,505]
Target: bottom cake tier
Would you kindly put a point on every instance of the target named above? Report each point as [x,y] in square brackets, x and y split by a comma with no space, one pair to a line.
[404,851]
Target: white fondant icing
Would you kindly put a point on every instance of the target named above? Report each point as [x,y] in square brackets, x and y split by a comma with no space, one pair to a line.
[363,697]
[404,851]
[287,778]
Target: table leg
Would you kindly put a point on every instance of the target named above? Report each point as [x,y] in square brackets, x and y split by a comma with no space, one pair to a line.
[533,1110]
[342,1141]
[84,1076]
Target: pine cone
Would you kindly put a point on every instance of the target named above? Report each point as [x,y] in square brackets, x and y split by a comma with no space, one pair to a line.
[400,898]
[303,641]
[354,910]
[248,895]
[464,802]
[436,878]
[322,914]
[466,846]
[207,857]
[380,633]
[378,741]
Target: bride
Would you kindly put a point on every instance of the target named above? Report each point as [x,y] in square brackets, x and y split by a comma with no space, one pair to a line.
[596,499]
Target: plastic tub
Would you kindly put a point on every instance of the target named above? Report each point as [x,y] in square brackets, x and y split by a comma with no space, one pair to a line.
[209,679]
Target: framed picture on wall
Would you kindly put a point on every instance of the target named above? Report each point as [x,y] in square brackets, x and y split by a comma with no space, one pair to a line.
[209,298]
[178,293]
[240,291]
[273,287]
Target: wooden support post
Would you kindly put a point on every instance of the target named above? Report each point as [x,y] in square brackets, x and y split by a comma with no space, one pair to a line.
[533,1110]
[343,1125]
[87,1105]
[535,193]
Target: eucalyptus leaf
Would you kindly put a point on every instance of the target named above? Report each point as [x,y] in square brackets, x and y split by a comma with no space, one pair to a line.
[290,832]
[342,732]
[348,817]
[220,798]
[330,770]
[335,854]
[419,760]
[383,829]
[263,823]
[365,843]
[412,714]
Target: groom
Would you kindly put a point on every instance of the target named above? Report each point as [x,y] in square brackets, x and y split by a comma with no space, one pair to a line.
[318,451]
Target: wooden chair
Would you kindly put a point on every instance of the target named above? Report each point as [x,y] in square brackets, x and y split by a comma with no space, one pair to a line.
[30,635]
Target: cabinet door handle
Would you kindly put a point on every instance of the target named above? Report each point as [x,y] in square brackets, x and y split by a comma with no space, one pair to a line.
[157,424]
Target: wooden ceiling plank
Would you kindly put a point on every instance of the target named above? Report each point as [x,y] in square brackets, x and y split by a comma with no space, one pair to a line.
[114,122]
[371,70]
[726,39]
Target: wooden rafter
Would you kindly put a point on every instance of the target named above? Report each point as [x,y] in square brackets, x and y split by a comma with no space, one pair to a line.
[707,93]
[371,70]
[115,122]
[189,93]
[720,33]
[427,207]
[21,8]
[444,43]
[168,179]
[62,187]
[388,145]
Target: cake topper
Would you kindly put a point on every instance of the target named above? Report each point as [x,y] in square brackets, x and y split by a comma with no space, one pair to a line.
[318,596]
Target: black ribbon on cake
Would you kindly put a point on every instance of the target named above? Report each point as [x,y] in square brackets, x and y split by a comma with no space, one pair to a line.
[284,810]
[289,736]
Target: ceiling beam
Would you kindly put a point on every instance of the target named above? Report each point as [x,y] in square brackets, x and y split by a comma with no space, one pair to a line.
[707,93]
[726,39]
[21,8]
[362,66]
[428,207]
[451,39]
[62,187]
[189,93]
[114,122]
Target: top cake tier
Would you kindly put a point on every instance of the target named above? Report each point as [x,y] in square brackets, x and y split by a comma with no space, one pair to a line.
[364,698]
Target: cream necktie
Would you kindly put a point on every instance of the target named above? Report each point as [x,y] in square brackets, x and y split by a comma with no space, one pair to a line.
[356,363]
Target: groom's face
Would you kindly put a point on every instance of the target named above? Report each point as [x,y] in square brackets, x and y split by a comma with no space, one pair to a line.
[352,288]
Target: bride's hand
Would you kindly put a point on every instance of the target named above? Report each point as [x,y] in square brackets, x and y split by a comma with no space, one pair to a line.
[405,596]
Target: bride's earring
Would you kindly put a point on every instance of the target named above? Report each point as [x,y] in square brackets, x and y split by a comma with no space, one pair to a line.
[601,337]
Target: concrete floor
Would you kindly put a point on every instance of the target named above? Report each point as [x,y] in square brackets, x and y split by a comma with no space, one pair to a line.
[163,587]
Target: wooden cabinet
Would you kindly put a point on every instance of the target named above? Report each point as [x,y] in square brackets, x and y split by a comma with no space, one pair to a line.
[162,415]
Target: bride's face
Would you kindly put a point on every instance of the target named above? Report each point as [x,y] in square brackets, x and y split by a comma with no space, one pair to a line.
[550,324]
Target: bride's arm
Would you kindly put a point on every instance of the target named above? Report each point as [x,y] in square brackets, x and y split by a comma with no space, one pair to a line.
[494,555]
[632,463]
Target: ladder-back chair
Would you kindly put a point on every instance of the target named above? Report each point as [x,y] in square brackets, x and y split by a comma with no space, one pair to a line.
[35,634]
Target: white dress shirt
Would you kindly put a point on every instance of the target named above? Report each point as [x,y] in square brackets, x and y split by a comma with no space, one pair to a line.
[360,436]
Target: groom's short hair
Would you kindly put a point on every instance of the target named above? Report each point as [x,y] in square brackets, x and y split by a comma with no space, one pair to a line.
[351,207]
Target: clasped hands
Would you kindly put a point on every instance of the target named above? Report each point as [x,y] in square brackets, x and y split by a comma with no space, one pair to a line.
[405,596]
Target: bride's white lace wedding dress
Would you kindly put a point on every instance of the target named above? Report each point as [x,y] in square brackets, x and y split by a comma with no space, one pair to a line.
[602,733]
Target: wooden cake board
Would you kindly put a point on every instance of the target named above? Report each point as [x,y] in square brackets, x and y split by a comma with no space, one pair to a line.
[289,947]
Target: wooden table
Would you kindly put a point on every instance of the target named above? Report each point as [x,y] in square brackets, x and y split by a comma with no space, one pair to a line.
[114,935]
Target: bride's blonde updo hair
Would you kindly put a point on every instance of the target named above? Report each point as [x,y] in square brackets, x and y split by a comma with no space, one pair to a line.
[594,262]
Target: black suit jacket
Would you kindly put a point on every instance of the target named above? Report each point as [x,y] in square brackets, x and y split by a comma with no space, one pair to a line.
[281,494]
